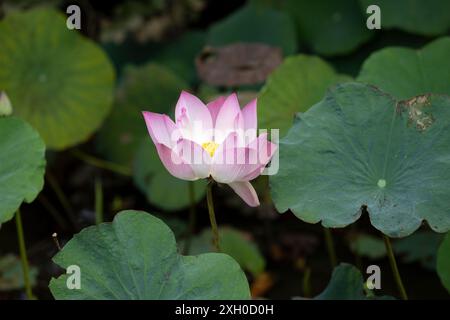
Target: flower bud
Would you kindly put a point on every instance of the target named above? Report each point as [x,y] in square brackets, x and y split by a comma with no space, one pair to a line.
[5,105]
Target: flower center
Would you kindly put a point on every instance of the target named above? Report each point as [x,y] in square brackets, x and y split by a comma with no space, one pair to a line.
[210,147]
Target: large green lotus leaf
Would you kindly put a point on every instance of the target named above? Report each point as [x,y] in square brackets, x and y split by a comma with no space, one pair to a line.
[298,83]
[443,262]
[429,17]
[161,188]
[330,27]
[135,257]
[150,87]
[405,72]
[22,165]
[360,150]
[234,243]
[347,284]
[57,80]
[256,24]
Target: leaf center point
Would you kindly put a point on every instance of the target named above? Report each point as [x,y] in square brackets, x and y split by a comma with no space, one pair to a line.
[381,183]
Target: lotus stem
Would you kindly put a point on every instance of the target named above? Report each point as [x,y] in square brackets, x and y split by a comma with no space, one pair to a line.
[53,211]
[56,241]
[98,201]
[23,257]
[307,282]
[100,163]
[330,247]
[192,217]
[393,263]
[212,216]
[62,198]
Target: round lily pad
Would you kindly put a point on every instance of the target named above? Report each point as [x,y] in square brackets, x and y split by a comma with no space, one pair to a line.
[369,246]
[11,274]
[330,27]
[150,87]
[161,188]
[56,79]
[443,262]
[255,24]
[359,150]
[420,247]
[293,87]
[405,72]
[22,159]
[428,18]
[234,243]
[135,258]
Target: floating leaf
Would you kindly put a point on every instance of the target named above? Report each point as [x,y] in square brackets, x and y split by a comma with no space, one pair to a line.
[22,159]
[443,262]
[234,243]
[419,247]
[161,188]
[368,246]
[416,16]
[11,274]
[135,257]
[150,87]
[57,80]
[255,24]
[330,27]
[296,85]
[346,284]
[360,150]
[404,72]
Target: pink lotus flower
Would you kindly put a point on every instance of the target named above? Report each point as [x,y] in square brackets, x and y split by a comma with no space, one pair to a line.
[217,140]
